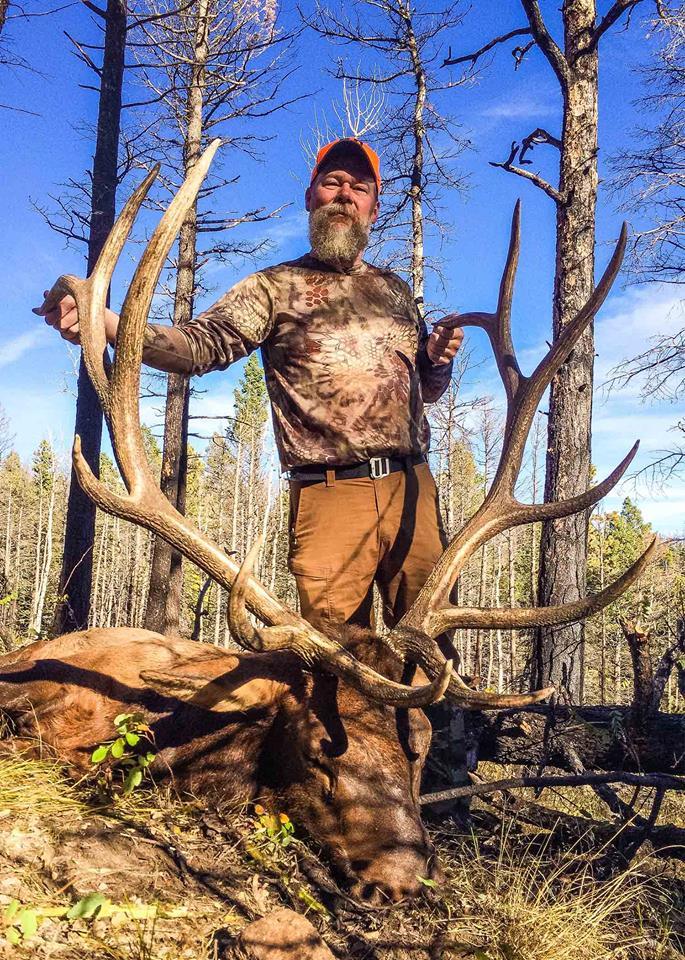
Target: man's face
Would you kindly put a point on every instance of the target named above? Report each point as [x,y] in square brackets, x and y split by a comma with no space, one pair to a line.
[342,204]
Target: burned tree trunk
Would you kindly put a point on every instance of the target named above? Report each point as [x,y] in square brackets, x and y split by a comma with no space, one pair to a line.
[563,547]
[77,564]
[166,575]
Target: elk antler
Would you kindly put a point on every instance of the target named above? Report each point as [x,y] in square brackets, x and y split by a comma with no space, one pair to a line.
[431,613]
[118,389]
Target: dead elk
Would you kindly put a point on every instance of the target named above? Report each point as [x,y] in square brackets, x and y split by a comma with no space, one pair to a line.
[325,722]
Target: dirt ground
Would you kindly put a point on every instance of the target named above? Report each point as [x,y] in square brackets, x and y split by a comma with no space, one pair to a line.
[148,878]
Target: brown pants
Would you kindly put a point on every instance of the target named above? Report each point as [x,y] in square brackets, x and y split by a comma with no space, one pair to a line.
[352,533]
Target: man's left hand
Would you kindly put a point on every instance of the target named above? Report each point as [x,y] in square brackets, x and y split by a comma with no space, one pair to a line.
[444,340]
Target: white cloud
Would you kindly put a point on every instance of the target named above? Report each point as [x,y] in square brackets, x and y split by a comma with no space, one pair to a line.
[288,228]
[630,320]
[14,349]
[520,108]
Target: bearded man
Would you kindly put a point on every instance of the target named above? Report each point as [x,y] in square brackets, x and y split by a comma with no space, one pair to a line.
[348,364]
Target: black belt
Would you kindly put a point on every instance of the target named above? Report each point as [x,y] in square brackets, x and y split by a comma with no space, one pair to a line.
[376,468]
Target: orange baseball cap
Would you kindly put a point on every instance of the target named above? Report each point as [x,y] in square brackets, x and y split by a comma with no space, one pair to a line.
[364,149]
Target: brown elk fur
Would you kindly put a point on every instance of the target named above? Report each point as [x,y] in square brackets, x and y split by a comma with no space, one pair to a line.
[232,727]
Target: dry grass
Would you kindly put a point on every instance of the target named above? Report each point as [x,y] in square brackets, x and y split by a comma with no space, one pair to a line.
[36,788]
[526,906]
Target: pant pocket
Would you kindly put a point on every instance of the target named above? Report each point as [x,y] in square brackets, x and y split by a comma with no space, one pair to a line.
[313,588]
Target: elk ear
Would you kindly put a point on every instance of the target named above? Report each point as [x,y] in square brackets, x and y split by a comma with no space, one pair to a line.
[218,694]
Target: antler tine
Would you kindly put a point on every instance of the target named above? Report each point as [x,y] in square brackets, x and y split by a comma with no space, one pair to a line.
[505,355]
[521,618]
[424,651]
[239,622]
[534,512]
[147,506]
[498,325]
[91,294]
[530,395]
[133,319]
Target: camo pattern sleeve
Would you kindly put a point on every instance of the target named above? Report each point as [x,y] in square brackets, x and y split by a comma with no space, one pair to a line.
[434,377]
[230,329]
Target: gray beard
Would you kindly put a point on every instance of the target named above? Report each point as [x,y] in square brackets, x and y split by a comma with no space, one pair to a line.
[334,243]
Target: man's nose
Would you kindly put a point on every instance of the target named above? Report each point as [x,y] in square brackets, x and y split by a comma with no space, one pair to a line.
[345,193]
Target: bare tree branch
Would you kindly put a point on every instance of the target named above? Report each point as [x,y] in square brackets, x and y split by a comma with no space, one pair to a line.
[472,58]
[657,780]
[535,138]
[544,40]
[95,9]
[608,20]
[534,178]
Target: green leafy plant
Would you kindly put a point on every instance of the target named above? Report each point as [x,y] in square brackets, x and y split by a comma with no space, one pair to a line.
[426,881]
[275,829]
[20,922]
[87,907]
[126,752]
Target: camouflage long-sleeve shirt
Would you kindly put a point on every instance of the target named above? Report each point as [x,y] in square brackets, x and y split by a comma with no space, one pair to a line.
[344,357]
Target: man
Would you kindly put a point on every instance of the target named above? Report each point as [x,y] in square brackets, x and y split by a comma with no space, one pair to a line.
[348,363]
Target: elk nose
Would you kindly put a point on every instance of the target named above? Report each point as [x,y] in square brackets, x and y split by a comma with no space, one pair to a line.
[394,876]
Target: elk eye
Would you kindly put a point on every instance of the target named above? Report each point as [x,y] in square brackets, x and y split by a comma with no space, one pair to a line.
[324,773]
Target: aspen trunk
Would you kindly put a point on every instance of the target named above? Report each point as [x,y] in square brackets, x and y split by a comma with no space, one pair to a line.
[37,560]
[417,186]
[563,549]
[498,633]
[46,561]
[77,562]
[166,577]
[512,602]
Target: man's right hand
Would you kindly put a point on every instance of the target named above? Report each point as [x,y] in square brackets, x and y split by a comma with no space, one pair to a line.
[64,318]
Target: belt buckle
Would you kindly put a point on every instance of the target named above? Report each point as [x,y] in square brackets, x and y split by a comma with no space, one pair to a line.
[379,467]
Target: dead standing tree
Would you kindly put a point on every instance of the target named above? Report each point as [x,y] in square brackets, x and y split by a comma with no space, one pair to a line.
[418,142]
[206,65]
[563,550]
[77,563]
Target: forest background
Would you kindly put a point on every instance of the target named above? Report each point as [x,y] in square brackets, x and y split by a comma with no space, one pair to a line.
[234,488]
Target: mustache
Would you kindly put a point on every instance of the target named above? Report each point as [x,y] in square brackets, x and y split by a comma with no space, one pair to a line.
[337,209]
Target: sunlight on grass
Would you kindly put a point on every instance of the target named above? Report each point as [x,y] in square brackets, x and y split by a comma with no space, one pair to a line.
[35,787]
[524,906]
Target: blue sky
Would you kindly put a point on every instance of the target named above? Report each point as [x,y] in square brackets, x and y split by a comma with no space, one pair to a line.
[38,153]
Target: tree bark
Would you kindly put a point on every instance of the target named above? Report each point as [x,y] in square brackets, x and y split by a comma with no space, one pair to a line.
[45,563]
[4,7]
[166,576]
[417,184]
[563,548]
[77,562]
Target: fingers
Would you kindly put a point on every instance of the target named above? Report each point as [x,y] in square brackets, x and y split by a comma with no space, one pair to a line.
[445,340]
[444,335]
[63,317]
[449,322]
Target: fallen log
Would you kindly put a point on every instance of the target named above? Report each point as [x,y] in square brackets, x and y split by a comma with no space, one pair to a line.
[603,738]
